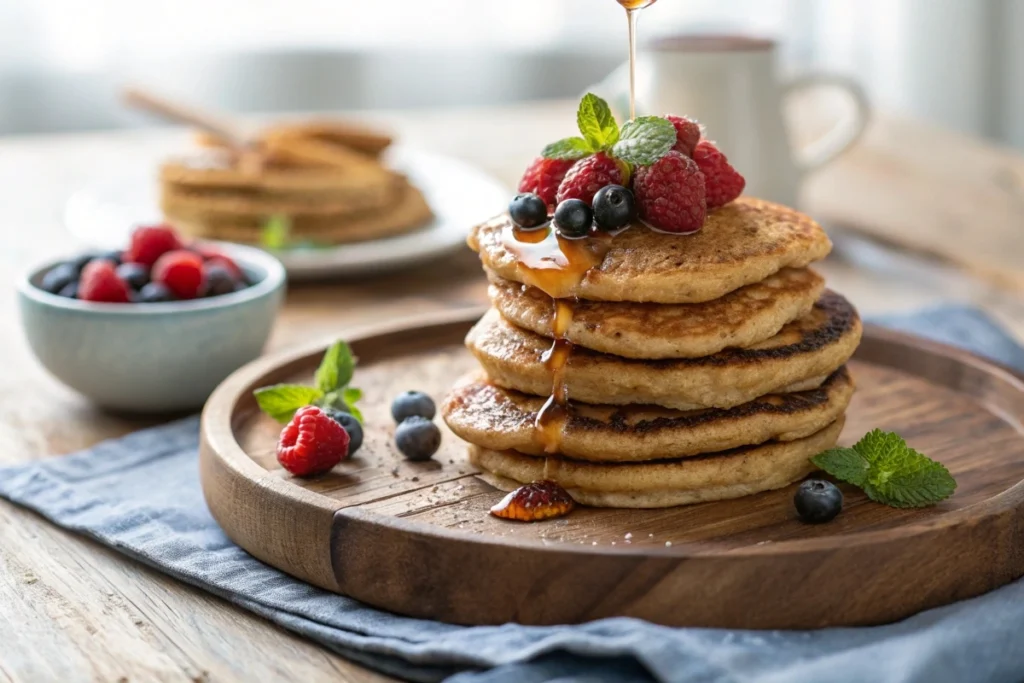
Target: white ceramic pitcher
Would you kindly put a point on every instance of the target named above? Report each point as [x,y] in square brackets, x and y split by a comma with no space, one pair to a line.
[729,83]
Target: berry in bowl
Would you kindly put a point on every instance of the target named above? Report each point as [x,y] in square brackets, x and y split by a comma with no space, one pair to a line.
[153,328]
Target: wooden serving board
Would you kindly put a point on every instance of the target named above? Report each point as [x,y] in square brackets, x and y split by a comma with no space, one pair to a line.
[416,538]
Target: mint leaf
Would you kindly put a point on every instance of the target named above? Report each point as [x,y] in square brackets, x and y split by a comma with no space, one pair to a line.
[343,400]
[902,477]
[644,140]
[597,124]
[275,232]
[282,400]
[568,149]
[889,471]
[336,368]
[845,464]
[351,395]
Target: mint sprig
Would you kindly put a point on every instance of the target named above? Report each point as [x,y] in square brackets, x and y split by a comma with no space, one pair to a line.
[275,232]
[332,377]
[597,123]
[639,142]
[644,140]
[889,471]
[568,149]
[282,400]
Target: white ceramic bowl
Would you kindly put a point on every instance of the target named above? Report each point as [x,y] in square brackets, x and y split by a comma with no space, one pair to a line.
[153,358]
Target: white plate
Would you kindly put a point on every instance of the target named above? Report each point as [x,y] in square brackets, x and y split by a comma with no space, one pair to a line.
[460,195]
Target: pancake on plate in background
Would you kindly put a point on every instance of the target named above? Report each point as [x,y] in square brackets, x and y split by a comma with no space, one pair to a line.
[314,183]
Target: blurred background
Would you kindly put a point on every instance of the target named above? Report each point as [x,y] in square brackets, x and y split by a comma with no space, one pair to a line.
[958,63]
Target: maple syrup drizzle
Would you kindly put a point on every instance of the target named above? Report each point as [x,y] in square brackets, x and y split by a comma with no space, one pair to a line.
[556,266]
[632,8]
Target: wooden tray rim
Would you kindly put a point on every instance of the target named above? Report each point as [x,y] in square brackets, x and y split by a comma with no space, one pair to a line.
[234,458]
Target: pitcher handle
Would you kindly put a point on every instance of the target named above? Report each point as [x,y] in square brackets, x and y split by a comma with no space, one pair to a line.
[847,129]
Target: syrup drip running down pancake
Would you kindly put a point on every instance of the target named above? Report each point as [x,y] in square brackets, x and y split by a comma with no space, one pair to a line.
[555,265]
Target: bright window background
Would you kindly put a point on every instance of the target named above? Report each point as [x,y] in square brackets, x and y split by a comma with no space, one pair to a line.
[956,62]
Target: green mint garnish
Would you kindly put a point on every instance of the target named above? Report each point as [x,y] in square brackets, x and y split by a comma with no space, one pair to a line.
[336,369]
[343,400]
[889,471]
[568,149]
[596,123]
[275,232]
[644,140]
[282,400]
[640,142]
[331,391]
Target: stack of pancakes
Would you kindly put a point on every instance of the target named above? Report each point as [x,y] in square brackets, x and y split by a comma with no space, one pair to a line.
[325,179]
[702,367]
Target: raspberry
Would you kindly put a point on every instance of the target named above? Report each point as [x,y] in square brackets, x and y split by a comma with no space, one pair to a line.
[543,177]
[312,443]
[534,502]
[100,282]
[150,242]
[723,182]
[589,175]
[670,194]
[214,256]
[181,272]
[687,134]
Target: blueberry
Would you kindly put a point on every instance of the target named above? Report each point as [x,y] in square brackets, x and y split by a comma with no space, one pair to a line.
[153,293]
[528,211]
[614,207]
[135,275]
[351,425]
[70,290]
[239,286]
[219,281]
[117,256]
[573,218]
[412,403]
[818,501]
[82,261]
[418,438]
[58,277]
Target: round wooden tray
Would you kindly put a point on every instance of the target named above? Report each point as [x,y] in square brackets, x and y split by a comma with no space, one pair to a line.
[415,538]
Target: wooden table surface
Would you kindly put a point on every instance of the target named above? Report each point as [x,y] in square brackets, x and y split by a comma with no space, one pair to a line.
[72,610]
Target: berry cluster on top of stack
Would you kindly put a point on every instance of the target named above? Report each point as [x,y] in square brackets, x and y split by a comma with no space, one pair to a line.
[675,174]
[156,267]
[639,368]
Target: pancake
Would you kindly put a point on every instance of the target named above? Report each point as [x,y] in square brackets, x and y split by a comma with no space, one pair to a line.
[344,136]
[261,202]
[500,419]
[664,483]
[409,212]
[741,318]
[214,169]
[813,346]
[741,243]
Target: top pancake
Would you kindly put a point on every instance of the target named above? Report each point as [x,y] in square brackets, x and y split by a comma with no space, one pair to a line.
[741,243]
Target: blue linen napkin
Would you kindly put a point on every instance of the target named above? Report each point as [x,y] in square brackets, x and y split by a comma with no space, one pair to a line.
[107,493]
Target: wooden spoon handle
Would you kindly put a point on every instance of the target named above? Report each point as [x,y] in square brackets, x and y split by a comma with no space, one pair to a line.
[214,124]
